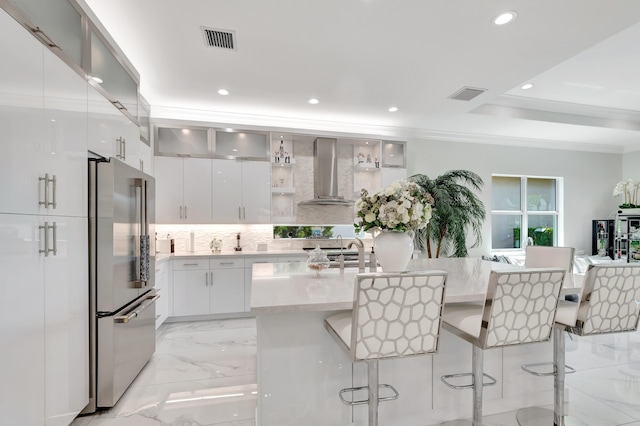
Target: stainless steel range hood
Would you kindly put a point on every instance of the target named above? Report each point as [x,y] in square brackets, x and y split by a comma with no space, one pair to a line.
[325,175]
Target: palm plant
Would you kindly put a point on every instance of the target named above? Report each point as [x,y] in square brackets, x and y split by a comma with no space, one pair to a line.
[456,208]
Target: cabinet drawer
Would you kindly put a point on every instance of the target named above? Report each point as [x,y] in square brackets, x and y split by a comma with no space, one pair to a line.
[229,262]
[190,263]
[293,259]
[249,261]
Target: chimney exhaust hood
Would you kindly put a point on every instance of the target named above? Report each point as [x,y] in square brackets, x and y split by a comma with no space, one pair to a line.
[325,175]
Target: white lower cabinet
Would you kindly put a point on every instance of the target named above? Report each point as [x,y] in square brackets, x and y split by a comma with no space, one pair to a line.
[162,288]
[44,319]
[203,289]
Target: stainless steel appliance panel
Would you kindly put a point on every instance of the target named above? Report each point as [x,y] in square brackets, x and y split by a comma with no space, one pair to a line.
[124,196]
[126,341]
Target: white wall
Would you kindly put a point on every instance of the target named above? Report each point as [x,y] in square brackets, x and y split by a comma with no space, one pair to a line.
[589,178]
[631,166]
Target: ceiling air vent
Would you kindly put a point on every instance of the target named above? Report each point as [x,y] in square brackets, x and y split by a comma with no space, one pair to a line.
[467,93]
[223,39]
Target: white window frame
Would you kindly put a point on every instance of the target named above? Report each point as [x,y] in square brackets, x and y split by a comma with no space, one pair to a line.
[524,212]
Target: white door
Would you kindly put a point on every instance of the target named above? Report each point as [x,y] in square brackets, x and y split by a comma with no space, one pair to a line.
[227,291]
[191,292]
[65,144]
[197,190]
[22,357]
[169,181]
[256,191]
[66,302]
[21,119]
[227,191]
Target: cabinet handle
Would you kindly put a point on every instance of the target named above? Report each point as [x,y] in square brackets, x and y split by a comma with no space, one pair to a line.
[119,105]
[239,212]
[45,203]
[189,264]
[124,148]
[53,184]
[211,278]
[227,263]
[141,165]
[43,37]
[54,231]
[180,212]
[244,216]
[46,239]
[206,279]
[185,212]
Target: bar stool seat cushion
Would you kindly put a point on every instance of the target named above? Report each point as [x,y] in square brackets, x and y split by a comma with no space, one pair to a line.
[567,313]
[466,318]
[341,324]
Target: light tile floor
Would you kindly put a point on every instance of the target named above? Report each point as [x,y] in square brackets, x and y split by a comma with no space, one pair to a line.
[204,374]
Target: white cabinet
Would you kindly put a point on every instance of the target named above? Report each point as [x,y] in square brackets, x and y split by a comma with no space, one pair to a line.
[22,357]
[183,192]
[64,150]
[111,133]
[241,191]
[227,291]
[45,357]
[162,288]
[203,289]
[43,234]
[66,321]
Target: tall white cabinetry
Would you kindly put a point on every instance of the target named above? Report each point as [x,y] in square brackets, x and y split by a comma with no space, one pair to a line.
[183,190]
[241,191]
[43,198]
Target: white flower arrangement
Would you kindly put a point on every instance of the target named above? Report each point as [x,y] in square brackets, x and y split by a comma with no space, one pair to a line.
[215,244]
[629,189]
[402,206]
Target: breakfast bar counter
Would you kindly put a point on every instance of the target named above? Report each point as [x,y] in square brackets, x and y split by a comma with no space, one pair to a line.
[301,368]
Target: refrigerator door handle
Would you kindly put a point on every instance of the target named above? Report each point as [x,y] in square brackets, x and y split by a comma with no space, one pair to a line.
[45,227]
[142,248]
[141,307]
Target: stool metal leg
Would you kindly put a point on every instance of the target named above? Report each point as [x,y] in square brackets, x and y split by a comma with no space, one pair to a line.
[477,362]
[372,372]
[558,385]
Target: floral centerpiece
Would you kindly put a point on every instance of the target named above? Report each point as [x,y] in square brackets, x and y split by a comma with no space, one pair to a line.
[396,212]
[215,245]
[629,189]
[402,206]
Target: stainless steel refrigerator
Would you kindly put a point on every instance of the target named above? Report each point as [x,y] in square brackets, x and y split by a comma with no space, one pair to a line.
[121,278]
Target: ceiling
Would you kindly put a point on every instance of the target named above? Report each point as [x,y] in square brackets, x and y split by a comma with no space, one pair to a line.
[361,57]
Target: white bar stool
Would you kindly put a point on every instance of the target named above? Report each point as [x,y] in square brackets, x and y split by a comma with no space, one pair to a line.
[609,303]
[394,315]
[520,307]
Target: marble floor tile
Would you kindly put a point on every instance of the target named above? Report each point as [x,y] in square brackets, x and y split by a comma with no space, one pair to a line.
[204,374]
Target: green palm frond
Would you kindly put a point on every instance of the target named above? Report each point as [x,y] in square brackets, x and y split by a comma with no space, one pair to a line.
[456,211]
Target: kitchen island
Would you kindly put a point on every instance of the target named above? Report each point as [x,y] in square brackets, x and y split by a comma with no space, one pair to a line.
[301,368]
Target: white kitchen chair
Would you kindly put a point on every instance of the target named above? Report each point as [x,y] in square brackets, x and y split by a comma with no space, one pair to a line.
[520,307]
[394,315]
[550,257]
[609,303]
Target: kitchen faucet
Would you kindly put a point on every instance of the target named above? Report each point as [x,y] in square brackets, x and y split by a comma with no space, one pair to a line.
[360,245]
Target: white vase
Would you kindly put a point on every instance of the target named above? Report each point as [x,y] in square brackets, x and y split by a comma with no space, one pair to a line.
[394,250]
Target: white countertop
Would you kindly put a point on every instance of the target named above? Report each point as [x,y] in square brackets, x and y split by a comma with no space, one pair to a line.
[293,288]
[209,253]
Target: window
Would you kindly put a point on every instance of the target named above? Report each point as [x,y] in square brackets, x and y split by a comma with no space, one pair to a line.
[525,210]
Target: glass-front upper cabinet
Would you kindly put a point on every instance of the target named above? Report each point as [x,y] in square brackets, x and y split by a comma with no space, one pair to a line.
[240,144]
[394,154]
[57,23]
[144,113]
[182,142]
[112,76]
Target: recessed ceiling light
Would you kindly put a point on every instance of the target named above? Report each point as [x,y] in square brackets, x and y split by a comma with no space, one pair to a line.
[393,109]
[97,79]
[223,92]
[526,86]
[505,18]
[313,101]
